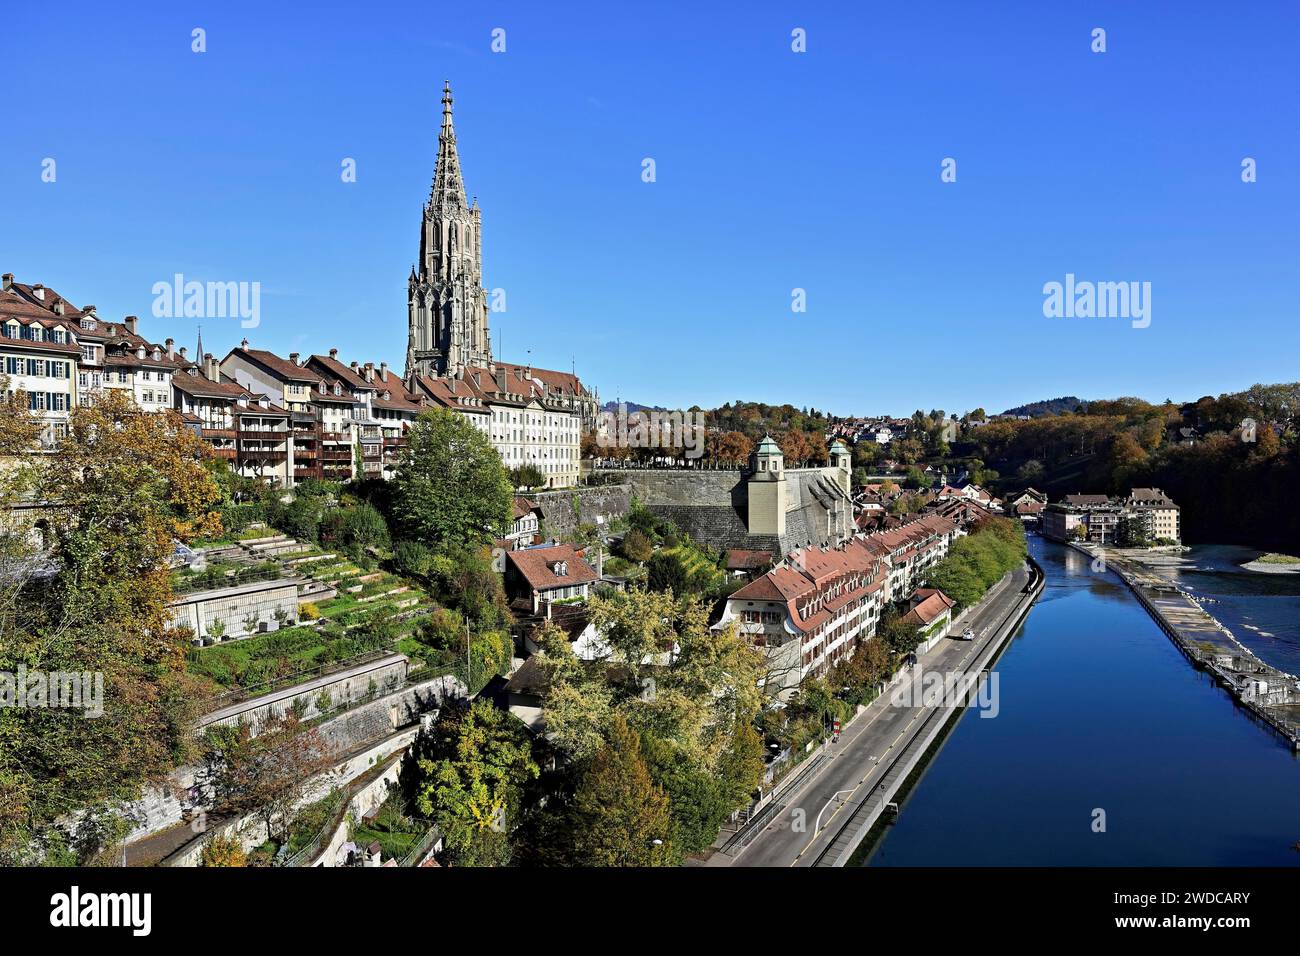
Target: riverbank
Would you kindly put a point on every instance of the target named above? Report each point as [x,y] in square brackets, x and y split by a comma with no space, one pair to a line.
[861,771]
[1268,693]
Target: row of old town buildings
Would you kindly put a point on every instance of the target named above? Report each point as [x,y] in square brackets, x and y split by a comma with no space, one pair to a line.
[285,419]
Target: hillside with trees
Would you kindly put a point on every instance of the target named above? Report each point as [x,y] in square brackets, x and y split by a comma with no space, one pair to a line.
[1232,482]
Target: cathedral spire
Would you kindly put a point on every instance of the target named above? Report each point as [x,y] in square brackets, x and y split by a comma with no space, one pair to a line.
[446,301]
[448,190]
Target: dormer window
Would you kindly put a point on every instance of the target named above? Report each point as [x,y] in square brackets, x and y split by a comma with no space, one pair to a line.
[560,569]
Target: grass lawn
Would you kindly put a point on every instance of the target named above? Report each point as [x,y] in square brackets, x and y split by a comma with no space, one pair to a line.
[1274,558]
[396,833]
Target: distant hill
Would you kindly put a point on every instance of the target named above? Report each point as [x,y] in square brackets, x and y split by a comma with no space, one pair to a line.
[632,407]
[1052,406]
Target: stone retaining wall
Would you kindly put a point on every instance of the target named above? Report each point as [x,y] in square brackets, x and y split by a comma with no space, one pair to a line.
[563,511]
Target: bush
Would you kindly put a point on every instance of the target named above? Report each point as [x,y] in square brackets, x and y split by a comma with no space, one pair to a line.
[636,546]
[413,559]
[309,612]
[300,518]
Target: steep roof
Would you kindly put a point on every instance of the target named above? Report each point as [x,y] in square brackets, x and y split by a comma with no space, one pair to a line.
[931,606]
[538,565]
[279,367]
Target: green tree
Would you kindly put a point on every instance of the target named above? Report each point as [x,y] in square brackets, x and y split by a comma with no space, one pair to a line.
[470,771]
[129,483]
[450,486]
[636,546]
[667,571]
[527,476]
[622,818]
[636,624]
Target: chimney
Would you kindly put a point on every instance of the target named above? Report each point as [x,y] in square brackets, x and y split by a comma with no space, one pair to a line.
[370,371]
[293,357]
[355,367]
[171,352]
[243,344]
[58,307]
[132,322]
[8,279]
[383,371]
[501,379]
[39,292]
[183,352]
[211,368]
[334,353]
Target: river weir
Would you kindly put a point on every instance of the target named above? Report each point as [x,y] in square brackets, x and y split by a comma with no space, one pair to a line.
[1269,693]
[1108,750]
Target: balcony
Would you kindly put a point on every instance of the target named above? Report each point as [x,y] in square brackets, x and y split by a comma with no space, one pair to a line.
[218,432]
[255,456]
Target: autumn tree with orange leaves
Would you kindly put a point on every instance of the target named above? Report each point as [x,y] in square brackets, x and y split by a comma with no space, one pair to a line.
[117,491]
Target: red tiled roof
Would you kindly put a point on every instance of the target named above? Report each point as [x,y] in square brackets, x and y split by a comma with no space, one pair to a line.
[202,387]
[342,372]
[450,393]
[280,367]
[64,348]
[933,604]
[25,292]
[741,560]
[537,566]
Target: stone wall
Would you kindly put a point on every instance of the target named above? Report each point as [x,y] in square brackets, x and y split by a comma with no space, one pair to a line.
[563,511]
[379,718]
[349,686]
[260,599]
[252,832]
[662,486]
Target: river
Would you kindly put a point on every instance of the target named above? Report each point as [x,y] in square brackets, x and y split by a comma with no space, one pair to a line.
[1098,711]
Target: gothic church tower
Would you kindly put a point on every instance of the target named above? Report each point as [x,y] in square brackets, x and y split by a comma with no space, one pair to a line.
[447,303]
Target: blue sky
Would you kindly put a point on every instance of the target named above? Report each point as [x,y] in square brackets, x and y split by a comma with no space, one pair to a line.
[775,171]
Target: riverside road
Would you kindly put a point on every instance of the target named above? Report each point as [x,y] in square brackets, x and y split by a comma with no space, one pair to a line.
[867,748]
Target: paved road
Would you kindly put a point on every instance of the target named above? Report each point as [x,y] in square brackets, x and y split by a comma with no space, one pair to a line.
[865,750]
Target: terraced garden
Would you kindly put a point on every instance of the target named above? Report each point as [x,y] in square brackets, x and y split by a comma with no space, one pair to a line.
[369,611]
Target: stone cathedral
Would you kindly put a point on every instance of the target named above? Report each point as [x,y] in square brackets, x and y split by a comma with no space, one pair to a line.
[448,307]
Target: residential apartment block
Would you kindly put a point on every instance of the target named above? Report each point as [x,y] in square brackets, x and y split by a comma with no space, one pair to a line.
[1097,518]
[814,609]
